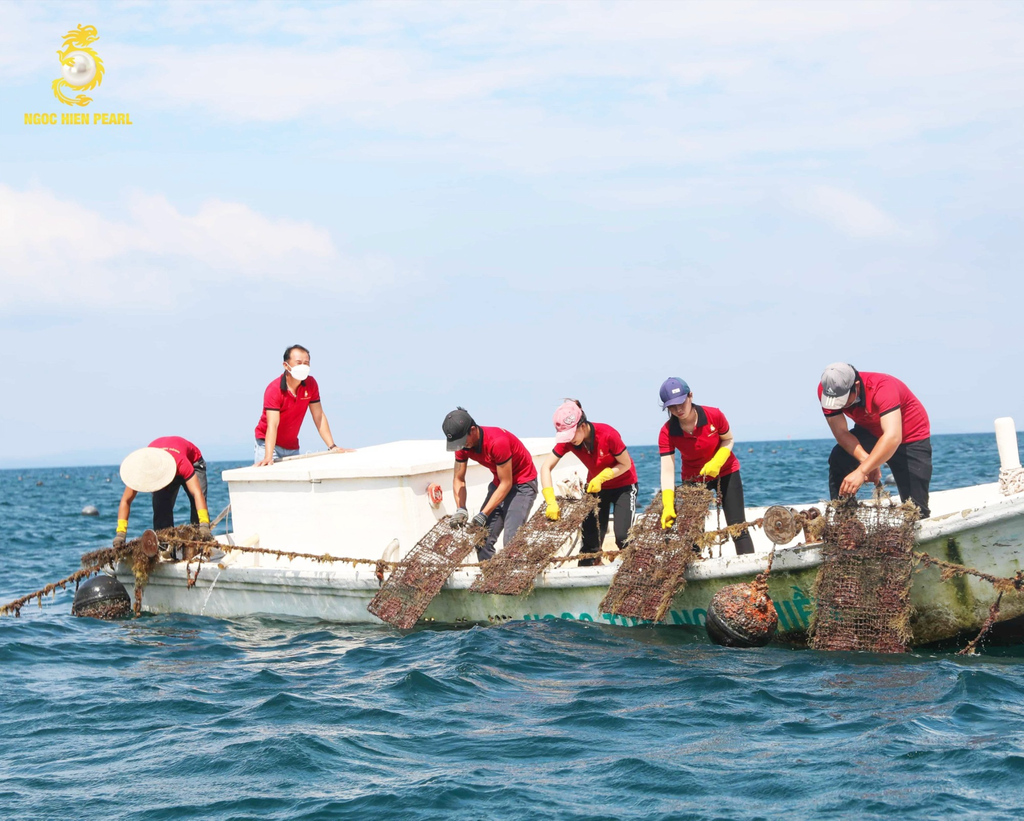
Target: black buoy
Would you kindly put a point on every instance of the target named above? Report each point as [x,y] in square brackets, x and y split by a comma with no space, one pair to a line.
[742,615]
[102,597]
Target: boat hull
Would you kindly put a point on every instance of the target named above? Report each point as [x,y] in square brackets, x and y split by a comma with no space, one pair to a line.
[989,537]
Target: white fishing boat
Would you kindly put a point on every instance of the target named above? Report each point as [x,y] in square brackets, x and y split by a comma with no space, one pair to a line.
[378,502]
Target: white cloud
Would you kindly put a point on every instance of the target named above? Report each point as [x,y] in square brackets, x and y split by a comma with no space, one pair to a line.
[59,252]
[850,213]
[546,87]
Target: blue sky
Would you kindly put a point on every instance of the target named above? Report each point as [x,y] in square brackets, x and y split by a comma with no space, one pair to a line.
[501,204]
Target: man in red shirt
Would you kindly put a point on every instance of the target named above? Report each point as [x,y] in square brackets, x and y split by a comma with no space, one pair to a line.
[284,407]
[169,463]
[510,495]
[890,427]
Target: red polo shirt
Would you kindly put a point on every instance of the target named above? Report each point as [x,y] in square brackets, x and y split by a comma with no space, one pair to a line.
[183,451]
[496,447]
[698,447]
[598,452]
[884,394]
[292,407]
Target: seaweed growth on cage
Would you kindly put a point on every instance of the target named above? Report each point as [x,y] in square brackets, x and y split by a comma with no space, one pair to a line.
[862,590]
[407,593]
[514,570]
[655,560]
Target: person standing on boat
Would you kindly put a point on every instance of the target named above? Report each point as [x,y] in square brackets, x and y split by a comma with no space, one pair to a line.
[703,438]
[284,408]
[510,495]
[890,427]
[610,474]
[168,464]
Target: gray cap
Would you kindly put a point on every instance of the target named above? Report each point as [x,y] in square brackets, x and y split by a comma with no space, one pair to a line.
[456,427]
[836,383]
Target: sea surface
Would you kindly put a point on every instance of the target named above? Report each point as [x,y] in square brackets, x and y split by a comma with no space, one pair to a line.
[182,717]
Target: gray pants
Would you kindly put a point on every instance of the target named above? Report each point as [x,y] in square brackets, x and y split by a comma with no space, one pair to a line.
[279,452]
[509,515]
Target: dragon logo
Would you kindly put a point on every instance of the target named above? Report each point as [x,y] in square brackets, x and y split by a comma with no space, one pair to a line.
[81,65]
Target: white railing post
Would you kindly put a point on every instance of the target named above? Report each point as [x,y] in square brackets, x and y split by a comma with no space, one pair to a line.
[1011,475]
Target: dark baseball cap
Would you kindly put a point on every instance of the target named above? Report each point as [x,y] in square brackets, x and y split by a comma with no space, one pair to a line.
[456,427]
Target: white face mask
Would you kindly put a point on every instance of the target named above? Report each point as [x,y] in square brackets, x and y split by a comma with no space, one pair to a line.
[300,372]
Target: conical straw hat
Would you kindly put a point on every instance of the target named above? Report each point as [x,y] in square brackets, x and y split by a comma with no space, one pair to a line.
[148,469]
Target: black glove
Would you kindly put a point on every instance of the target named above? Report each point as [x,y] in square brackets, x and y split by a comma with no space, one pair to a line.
[459,517]
[204,532]
[480,520]
[119,540]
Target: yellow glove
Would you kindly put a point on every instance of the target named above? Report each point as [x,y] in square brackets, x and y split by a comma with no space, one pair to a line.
[668,514]
[549,497]
[600,479]
[714,465]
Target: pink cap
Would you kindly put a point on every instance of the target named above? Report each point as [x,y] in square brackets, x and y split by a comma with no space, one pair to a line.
[567,418]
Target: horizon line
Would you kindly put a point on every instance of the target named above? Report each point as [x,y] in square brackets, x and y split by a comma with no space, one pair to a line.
[787,440]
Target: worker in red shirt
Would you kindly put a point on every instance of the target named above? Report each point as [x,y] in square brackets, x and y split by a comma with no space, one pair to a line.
[511,493]
[890,427]
[169,463]
[704,439]
[284,407]
[610,474]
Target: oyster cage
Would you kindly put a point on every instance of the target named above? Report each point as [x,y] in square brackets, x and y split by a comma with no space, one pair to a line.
[514,570]
[862,590]
[655,560]
[407,593]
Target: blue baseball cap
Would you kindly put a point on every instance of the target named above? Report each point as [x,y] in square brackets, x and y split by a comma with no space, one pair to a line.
[673,392]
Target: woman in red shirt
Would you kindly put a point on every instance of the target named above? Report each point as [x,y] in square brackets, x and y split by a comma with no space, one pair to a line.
[610,474]
[702,436]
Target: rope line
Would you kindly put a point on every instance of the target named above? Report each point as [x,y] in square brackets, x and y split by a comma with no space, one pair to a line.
[1011,480]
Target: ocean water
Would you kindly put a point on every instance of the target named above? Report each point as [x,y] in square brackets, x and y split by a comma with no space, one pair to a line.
[172,717]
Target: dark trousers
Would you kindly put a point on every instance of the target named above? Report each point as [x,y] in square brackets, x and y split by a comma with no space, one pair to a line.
[508,516]
[911,467]
[731,488]
[164,499]
[595,526]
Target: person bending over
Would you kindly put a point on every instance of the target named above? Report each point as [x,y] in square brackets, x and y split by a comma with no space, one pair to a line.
[169,463]
[890,427]
[610,474]
[511,493]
